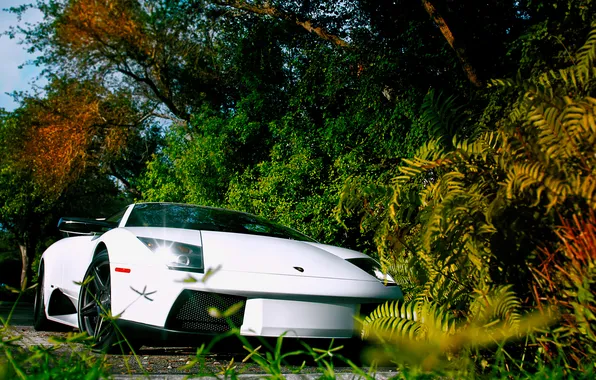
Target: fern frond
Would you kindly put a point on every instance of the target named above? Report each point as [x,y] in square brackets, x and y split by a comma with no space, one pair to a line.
[405,272]
[443,115]
[408,320]
[587,53]
[497,305]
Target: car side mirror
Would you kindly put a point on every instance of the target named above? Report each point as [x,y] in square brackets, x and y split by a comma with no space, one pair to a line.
[84,226]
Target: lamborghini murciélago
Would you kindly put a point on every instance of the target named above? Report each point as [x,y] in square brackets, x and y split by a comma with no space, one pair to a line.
[165,270]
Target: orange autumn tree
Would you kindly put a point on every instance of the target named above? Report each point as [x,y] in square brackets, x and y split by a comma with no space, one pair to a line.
[86,24]
[76,126]
[69,149]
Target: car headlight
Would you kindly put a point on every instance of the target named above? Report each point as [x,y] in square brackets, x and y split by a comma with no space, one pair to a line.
[373,268]
[178,256]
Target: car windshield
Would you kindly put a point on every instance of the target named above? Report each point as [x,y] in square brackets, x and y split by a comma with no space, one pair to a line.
[207,218]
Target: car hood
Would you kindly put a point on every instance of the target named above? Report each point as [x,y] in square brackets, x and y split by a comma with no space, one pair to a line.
[263,254]
[236,252]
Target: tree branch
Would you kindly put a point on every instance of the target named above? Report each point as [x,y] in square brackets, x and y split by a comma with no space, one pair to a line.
[165,99]
[268,10]
[175,119]
[124,181]
[459,51]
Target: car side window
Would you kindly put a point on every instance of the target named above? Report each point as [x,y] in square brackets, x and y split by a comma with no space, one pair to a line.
[117,217]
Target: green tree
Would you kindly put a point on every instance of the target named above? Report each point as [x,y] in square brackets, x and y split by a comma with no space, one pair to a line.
[307,93]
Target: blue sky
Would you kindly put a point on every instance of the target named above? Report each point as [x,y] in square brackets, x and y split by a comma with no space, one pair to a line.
[12,55]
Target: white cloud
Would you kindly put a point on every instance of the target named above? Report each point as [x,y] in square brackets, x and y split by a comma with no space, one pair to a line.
[12,55]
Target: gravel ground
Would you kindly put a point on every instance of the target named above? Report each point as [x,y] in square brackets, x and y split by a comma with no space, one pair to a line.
[174,360]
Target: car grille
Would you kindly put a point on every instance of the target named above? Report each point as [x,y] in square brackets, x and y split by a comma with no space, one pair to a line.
[190,312]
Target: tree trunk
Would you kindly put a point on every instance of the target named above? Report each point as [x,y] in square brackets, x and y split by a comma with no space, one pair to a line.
[459,50]
[24,265]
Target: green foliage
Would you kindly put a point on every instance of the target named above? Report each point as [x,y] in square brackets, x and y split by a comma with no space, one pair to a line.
[474,214]
[444,116]
[428,320]
[496,305]
[542,156]
[409,320]
[427,338]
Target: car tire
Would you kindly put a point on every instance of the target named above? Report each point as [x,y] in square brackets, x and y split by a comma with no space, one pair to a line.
[40,320]
[95,304]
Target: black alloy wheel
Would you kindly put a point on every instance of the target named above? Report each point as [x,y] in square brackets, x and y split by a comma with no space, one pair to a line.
[95,303]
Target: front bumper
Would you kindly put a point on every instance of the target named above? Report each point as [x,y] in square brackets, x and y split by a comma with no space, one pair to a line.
[272,305]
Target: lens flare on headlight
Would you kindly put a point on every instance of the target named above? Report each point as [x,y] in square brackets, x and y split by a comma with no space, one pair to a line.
[177,256]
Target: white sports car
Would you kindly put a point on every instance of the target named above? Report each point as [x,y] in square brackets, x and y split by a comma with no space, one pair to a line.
[178,271]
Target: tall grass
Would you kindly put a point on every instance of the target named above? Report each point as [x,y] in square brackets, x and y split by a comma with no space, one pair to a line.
[468,354]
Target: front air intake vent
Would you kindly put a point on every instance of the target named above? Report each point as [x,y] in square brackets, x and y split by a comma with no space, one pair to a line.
[190,312]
